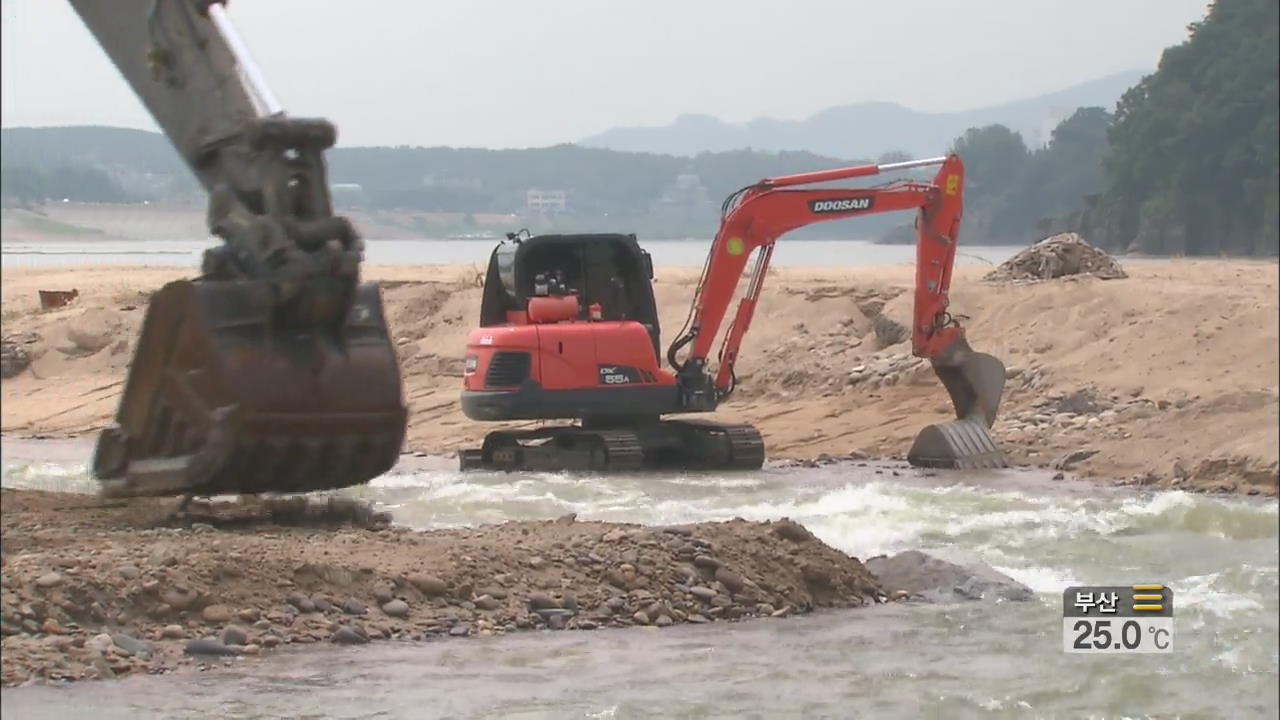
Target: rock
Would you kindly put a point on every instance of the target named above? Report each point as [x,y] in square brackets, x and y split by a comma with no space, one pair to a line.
[208,646]
[731,580]
[353,606]
[13,359]
[50,627]
[706,562]
[615,535]
[900,595]
[698,619]
[663,621]
[487,602]
[640,617]
[131,645]
[428,585]
[270,641]
[322,604]
[49,580]
[1068,461]
[130,572]
[396,608]
[301,602]
[702,593]
[537,563]
[789,529]
[383,594]
[179,598]
[935,580]
[101,642]
[459,631]
[234,635]
[216,614]
[345,635]
[249,615]
[250,649]
[173,632]
[538,601]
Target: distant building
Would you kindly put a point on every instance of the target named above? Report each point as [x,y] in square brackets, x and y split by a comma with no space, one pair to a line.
[686,191]
[348,194]
[545,201]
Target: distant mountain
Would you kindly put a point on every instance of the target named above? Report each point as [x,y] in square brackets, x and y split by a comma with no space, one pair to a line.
[867,129]
[95,145]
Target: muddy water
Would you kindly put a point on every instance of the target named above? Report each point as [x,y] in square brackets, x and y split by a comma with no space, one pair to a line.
[1219,555]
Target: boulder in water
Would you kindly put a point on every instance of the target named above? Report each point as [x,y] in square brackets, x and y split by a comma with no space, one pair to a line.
[1058,256]
[927,578]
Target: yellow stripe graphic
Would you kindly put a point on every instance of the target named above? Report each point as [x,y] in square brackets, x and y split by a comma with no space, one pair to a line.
[1151,588]
[1139,598]
[1148,608]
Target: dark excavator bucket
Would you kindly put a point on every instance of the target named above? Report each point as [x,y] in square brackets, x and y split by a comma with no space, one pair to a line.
[975,382]
[223,399]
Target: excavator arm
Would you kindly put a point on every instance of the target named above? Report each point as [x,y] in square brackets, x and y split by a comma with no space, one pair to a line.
[272,371]
[264,171]
[753,220]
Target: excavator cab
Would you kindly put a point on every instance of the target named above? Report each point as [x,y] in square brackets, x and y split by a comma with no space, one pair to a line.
[609,272]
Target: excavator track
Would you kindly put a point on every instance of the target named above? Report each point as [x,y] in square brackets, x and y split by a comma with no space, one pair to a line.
[653,446]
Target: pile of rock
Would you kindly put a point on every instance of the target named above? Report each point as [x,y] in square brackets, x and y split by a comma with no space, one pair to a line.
[86,597]
[13,359]
[1058,256]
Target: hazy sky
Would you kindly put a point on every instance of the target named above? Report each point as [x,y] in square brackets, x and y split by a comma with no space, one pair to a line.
[512,73]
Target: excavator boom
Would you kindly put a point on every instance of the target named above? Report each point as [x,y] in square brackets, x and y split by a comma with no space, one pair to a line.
[273,371]
[756,216]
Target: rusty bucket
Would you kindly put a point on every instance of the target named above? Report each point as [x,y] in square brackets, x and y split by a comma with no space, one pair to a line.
[50,299]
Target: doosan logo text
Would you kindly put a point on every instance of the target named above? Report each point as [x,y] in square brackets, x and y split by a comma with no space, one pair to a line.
[842,205]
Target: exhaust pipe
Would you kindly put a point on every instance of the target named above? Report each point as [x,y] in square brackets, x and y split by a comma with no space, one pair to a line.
[975,382]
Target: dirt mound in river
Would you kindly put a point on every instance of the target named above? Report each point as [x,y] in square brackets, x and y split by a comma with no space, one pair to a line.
[94,590]
[1059,256]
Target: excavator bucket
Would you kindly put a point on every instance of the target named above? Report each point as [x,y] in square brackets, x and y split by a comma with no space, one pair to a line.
[222,398]
[975,382]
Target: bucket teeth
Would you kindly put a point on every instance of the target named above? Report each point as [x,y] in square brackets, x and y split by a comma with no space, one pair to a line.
[975,382]
[957,445]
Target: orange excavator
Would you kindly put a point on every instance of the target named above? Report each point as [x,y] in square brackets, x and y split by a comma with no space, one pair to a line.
[569,330]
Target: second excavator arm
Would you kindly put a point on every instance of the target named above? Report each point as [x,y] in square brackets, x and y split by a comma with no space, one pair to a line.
[754,219]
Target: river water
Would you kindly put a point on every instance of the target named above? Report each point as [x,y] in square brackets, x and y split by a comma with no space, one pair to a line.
[1219,555]
[666,253]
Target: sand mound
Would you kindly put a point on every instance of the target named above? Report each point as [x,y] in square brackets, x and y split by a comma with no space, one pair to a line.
[1059,256]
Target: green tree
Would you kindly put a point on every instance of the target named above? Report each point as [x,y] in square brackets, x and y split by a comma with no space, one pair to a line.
[1194,156]
[995,159]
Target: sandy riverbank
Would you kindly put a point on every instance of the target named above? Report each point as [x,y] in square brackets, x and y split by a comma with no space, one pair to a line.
[1168,377]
